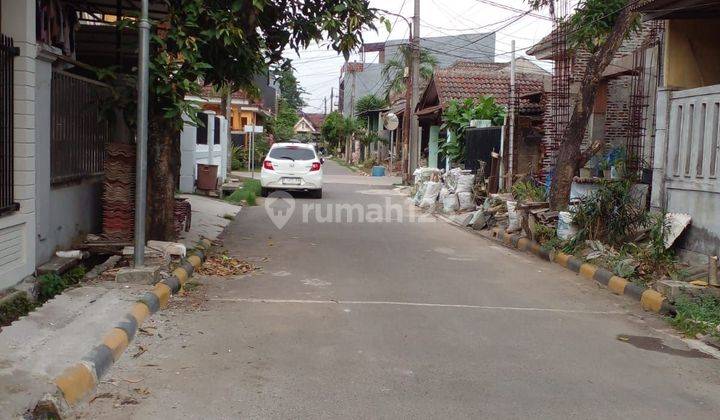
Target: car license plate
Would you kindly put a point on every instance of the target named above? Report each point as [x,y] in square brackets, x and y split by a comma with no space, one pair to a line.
[291,181]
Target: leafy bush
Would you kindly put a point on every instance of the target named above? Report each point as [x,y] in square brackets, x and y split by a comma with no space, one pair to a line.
[236,165]
[74,275]
[50,285]
[14,308]
[457,117]
[611,214]
[529,191]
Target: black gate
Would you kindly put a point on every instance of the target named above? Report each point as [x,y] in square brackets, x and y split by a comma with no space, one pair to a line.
[7,55]
[479,145]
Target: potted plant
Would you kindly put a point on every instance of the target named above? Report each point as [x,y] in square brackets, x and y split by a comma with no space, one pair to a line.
[604,166]
[618,169]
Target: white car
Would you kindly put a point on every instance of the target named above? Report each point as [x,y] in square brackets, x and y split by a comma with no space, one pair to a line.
[292,166]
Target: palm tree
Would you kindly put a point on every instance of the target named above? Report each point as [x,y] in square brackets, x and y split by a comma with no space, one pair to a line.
[394,70]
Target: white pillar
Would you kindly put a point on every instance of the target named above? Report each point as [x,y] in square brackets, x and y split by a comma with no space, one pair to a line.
[224,146]
[188,140]
[18,22]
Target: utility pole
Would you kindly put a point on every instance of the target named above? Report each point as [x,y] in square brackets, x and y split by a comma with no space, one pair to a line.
[349,146]
[332,98]
[415,83]
[325,105]
[142,134]
[512,112]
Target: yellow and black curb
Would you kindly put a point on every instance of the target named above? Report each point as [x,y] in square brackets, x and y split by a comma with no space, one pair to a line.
[649,299]
[79,380]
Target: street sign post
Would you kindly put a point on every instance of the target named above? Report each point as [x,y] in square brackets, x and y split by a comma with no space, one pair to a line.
[251,130]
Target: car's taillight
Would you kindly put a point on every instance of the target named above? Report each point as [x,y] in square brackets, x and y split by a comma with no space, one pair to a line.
[315,166]
[268,165]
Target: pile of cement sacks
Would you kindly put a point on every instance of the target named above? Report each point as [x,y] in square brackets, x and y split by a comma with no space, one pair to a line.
[453,192]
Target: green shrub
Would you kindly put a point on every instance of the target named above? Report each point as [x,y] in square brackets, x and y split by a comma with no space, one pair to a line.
[611,214]
[236,164]
[529,192]
[74,275]
[14,308]
[50,285]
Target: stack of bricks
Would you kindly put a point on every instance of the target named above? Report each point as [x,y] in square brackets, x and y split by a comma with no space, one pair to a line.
[119,192]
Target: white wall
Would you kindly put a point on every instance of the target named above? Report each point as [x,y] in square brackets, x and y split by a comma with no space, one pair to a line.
[17,230]
[192,153]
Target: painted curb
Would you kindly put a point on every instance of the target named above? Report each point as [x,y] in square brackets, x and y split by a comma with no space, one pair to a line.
[649,299]
[79,380]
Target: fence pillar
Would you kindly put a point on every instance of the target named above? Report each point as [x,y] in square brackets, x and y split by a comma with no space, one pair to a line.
[433,146]
[657,197]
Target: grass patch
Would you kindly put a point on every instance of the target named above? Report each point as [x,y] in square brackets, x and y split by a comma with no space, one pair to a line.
[247,193]
[697,315]
[345,164]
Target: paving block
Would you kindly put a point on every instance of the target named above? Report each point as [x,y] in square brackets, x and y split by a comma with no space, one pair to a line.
[149,274]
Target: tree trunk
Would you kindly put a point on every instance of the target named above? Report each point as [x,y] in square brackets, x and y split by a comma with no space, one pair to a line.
[163,176]
[570,156]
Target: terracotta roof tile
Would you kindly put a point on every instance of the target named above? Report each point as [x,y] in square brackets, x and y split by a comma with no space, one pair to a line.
[209,92]
[463,82]
[316,119]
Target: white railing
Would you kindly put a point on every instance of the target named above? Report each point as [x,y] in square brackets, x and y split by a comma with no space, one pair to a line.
[693,148]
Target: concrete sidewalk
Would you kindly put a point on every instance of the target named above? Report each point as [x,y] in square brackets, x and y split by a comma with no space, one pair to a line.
[36,348]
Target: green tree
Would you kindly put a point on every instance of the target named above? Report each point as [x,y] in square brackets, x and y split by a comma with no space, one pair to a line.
[284,122]
[290,90]
[226,43]
[600,27]
[333,129]
[368,103]
[394,70]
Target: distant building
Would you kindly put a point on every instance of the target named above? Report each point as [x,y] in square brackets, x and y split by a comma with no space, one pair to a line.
[358,79]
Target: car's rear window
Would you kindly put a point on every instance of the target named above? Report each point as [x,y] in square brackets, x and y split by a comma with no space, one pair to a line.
[292,153]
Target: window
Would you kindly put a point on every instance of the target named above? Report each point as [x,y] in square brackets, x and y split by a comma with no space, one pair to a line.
[7,182]
[202,130]
[292,153]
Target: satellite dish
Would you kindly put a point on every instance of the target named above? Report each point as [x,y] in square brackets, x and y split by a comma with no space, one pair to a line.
[390,121]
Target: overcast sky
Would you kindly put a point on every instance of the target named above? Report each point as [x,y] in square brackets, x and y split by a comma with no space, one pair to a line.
[318,69]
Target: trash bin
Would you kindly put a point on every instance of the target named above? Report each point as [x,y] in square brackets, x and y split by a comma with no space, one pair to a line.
[207,176]
[378,171]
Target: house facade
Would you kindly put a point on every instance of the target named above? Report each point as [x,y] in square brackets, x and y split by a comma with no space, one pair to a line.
[686,155]
[470,80]
[53,137]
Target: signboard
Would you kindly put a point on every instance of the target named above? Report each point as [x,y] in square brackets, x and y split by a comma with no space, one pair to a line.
[254,128]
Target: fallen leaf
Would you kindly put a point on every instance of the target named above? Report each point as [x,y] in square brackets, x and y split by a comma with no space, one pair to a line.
[102,395]
[132,381]
[699,283]
[142,391]
[623,338]
[140,351]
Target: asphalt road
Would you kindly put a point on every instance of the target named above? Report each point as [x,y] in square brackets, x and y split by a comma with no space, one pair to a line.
[400,319]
